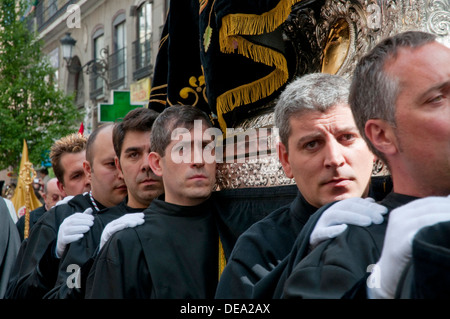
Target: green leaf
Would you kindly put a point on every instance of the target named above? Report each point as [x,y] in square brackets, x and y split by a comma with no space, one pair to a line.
[207,37]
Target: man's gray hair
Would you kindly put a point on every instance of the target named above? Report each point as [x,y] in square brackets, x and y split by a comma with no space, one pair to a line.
[311,92]
[374,92]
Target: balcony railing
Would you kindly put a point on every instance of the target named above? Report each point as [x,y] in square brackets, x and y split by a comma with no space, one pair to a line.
[117,69]
[96,85]
[48,11]
[142,57]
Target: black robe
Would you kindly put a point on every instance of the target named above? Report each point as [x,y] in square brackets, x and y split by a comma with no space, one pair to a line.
[9,247]
[174,254]
[261,253]
[261,248]
[34,217]
[80,254]
[426,276]
[335,266]
[36,267]
[238,209]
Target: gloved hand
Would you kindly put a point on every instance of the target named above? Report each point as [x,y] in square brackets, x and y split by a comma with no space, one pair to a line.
[72,229]
[127,220]
[355,211]
[404,222]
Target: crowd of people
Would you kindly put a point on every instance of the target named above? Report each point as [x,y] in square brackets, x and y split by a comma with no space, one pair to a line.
[126,218]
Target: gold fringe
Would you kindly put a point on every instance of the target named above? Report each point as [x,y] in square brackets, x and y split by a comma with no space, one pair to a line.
[261,54]
[222,259]
[248,93]
[234,25]
[252,24]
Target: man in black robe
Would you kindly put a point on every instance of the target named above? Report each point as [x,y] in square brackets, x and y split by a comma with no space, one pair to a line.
[52,194]
[9,246]
[67,155]
[397,101]
[36,268]
[131,138]
[426,275]
[175,253]
[256,260]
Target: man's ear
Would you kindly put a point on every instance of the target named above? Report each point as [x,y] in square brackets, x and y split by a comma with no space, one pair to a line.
[87,169]
[61,188]
[283,155]
[119,168]
[154,161]
[381,135]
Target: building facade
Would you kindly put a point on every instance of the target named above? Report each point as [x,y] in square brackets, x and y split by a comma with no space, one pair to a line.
[115,49]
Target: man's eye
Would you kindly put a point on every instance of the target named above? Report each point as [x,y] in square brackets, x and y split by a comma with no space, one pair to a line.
[310,145]
[436,99]
[348,137]
[179,149]
[76,176]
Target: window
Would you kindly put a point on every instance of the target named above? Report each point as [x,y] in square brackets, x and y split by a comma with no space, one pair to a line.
[98,53]
[117,63]
[142,46]
[52,7]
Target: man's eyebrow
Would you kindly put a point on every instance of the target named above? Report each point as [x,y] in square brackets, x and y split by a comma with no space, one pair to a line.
[350,128]
[132,149]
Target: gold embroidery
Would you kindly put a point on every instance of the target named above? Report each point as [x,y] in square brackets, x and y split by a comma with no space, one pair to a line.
[158,94]
[197,88]
[208,31]
[203,4]
[231,40]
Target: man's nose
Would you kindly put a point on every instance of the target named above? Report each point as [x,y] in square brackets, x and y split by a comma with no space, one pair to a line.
[333,156]
[197,156]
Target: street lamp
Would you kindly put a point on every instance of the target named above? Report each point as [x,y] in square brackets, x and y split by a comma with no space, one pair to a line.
[96,66]
[67,44]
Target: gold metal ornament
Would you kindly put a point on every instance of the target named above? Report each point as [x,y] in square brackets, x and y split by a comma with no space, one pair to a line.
[27,174]
[337,47]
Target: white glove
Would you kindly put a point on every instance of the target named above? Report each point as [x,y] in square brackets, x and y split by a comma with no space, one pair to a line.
[72,229]
[64,200]
[354,211]
[127,220]
[404,222]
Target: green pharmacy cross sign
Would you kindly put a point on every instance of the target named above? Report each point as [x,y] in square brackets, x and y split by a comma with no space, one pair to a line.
[120,106]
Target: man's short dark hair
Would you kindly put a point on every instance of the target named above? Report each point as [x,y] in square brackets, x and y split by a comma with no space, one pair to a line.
[137,120]
[176,116]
